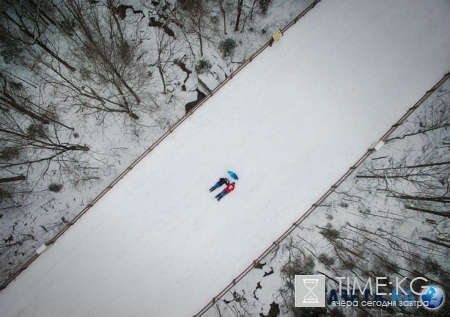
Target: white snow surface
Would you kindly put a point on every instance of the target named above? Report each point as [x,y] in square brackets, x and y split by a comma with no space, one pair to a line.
[290,124]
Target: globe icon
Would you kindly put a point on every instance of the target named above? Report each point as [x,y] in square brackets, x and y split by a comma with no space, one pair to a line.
[432,297]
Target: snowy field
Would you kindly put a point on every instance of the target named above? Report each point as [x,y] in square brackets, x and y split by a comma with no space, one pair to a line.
[290,124]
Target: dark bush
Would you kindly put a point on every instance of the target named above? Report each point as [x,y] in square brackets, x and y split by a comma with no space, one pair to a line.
[125,51]
[67,27]
[431,266]
[227,47]
[298,266]
[36,131]
[202,66]
[10,48]
[54,187]
[85,74]
[330,234]
[4,194]
[190,5]
[264,5]
[15,85]
[8,154]
[326,259]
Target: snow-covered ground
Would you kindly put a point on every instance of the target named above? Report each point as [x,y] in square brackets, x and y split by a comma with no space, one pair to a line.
[289,124]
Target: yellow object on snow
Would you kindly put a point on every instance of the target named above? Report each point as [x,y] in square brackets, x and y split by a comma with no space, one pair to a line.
[277,35]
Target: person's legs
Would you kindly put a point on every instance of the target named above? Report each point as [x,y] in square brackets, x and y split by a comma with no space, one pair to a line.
[217,185]
[219,195]
[222,195]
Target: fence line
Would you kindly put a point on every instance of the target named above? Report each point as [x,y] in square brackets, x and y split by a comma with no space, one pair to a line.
[296,224]
[151,148]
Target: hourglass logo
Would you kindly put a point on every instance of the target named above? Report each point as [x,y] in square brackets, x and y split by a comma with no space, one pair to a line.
[309,291]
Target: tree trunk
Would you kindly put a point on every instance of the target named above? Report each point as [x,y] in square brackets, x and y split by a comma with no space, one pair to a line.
[433,212]
[161,73]
[412,166]
[239,12]
[111,12]
[444,200]
[13,179]
[59,59]
[378,176]
[251,11]
[11,102]
[200,39]
[418,132]
[436,242]
[222,10]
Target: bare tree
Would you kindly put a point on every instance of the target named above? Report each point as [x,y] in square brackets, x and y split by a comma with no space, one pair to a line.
[104,44]
[167,49]
[192,14]
[32,137]
[28,22]
[225,9]
[13,96]
[111,76]
[420,175]
[434,120]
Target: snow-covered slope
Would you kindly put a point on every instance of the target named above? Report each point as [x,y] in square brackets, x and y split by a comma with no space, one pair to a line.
[292,122]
